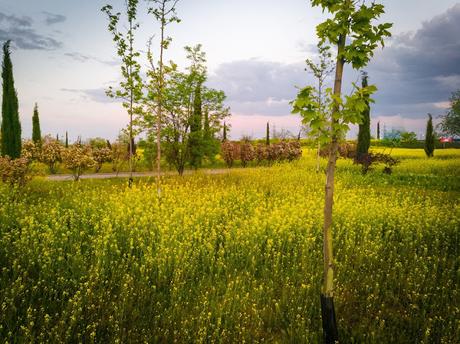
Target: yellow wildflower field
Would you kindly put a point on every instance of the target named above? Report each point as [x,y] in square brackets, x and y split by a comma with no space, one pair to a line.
[235,257]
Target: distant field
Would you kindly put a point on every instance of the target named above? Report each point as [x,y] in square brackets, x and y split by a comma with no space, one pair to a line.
[234,257]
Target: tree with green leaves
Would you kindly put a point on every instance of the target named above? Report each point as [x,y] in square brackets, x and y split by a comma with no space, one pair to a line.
[450,122]
[164,12]
[364,133]
[321,71]
[36,132]
[429,137]
[197,73]
[130,88]
[11,126]
[180,123]
[352,30]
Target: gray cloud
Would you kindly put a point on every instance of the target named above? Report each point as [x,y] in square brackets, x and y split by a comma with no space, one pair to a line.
[84,58]
[52,18]
[93,94]
[420,68]
[414,73]
[259,87]
[19,30]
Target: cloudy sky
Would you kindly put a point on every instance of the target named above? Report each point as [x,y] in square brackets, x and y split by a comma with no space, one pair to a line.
[64,59]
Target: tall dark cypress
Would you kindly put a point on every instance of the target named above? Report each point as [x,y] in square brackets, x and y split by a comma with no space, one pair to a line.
[429,137]
[36,132]
[267,135]
[378,130]
[224,134]
[196,134]
[11,127]
[66,140]
[364,134]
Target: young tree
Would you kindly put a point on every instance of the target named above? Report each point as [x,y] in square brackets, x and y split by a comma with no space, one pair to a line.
[36,133]
[352,31]
[267,135]
[429,137]
[364,134]
[321,71]
[10,127]
[450,122]
[164,12]
[130,89]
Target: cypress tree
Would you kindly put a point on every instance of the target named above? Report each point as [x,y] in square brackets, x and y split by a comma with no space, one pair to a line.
[364,134]
[66,140]
[196,137]
[11,127]
[36,132]
[429,137]
[224,135]
[378,130]
[267,135]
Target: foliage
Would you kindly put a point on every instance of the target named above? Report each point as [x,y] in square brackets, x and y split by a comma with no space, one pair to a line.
[10,132]
[429,137]
[450,123]
[408,137]
[36,132]
[98,142]
[14,171]
[77,158]
[119,155]
[186,139]
[50,153]
[234,257]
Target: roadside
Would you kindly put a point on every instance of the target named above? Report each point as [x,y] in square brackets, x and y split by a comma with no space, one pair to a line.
[64,177]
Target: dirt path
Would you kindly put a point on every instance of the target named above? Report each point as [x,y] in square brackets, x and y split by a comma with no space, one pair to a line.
[64,177]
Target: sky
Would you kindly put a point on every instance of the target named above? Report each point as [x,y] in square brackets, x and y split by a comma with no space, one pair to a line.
[64,59]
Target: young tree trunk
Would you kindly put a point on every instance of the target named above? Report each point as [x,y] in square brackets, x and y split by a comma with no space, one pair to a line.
[330,332]
[317,157]
[160,100]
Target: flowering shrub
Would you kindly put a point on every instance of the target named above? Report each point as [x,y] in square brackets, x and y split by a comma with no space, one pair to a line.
[346,150]
[247,153]
[14,171]
[101,155]
[261,153]
[77,158]
[369,159]
[230,152]
[30,151]
[50,153]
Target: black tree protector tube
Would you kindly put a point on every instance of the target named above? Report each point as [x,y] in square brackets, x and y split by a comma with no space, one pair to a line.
[330,333]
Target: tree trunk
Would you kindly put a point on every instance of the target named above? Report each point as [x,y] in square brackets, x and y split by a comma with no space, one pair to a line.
[160,101]
[330,333]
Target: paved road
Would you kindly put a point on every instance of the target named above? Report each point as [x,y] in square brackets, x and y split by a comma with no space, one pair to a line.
[63,177]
